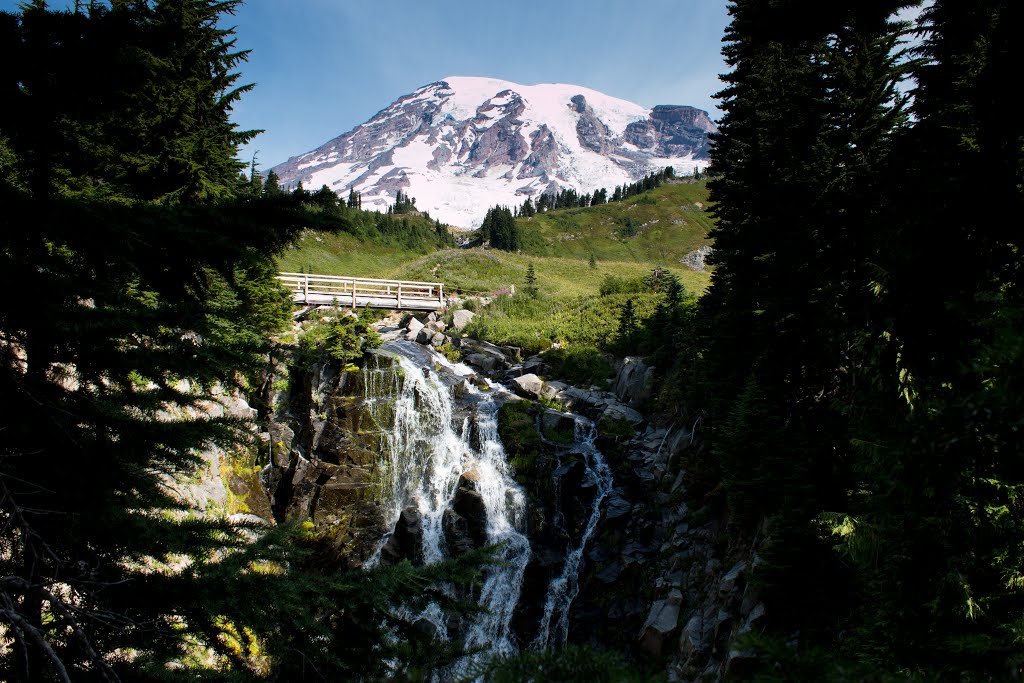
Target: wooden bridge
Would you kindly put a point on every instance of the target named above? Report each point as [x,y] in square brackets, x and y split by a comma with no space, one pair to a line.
[352,292]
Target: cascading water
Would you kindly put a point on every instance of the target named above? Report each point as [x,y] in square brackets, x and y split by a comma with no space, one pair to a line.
[428,455]
[563,589]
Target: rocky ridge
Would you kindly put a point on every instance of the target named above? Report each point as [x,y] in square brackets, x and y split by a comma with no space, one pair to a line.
[462,145]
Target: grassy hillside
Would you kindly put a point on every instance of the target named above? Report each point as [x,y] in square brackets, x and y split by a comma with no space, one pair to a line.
[626,238]
[345,254]
[365,244]
[486,270]
[658,226]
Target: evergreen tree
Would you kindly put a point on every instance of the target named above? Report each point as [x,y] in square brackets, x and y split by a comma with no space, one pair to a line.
[810,109]
[627,331]
[500,229]
[325,197]
[151,272]
[272,186]
[531,282]
[255,181]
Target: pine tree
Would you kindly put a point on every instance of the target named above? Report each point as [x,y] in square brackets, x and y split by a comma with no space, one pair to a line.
[810,111]
[627,332]
[940,476]
[272,186]
[531,282]
[151,273]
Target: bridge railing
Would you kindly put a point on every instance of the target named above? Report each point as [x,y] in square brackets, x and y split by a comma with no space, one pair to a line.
[309,288]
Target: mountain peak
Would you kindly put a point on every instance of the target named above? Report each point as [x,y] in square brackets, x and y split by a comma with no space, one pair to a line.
[465,143]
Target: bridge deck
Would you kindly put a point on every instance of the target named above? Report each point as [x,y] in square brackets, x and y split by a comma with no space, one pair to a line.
[312,289]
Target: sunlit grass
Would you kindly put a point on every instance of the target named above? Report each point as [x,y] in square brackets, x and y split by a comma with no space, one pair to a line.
[569,308]
[658,226]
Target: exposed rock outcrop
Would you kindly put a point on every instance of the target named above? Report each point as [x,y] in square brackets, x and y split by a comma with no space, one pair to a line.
[498,139]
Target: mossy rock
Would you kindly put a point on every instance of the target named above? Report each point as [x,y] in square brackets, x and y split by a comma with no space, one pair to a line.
[517,427]
[530,459]
[240,471]
[615,430]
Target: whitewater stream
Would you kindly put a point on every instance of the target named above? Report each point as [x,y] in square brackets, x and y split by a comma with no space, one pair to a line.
[429,450]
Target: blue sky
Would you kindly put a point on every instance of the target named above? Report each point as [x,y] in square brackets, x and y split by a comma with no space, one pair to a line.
[321,67]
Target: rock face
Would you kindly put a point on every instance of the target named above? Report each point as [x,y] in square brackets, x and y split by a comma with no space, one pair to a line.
[325,461]
[461,145]
[634,382]
[657,581]
[696,258]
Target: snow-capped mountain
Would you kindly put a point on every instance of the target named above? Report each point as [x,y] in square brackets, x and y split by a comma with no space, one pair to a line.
[463,144]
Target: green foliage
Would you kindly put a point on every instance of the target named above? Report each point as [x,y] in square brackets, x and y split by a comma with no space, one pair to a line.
[573,663]
[517,427]
[578,365]
[530,282]
[349,241]
[535,324]
[344,336]
[616,430]
[618,285]
[149,271]
[630,227]
[296,616]
[626,335]
[849,378]
[667,223]
[501,230]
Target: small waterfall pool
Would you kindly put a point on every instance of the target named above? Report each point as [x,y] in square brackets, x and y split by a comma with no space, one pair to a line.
[437,443]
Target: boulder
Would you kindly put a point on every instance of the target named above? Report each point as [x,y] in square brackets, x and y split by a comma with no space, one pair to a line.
[436,326]
[465,522]
[618,411]
[578,400]
[513,372]
[462,318]
[528,386]
[484,362]
[551,390]
[406,542]
[610,573]
[617,507]
[661,621]
[438,340]
[281,438]
[692,642]
[413,328]
[473,347]
[513,352]
[634,382]
[553,421]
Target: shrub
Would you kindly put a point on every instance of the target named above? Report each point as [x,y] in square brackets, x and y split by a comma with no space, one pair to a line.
[580,365]
[621,285]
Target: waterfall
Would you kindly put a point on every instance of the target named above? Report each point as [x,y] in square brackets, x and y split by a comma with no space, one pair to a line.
[429,450]
[563,589]
[427,455]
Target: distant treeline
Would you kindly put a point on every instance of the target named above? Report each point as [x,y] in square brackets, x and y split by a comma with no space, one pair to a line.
[571,199]
[417,231]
